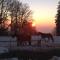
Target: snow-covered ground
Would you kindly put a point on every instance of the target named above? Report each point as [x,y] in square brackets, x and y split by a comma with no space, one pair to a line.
[56,40]
[55,58]
[3,50]
[8,41]
[10,58]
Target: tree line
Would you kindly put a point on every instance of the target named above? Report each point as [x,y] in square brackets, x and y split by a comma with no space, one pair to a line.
[19,13]
[57,20]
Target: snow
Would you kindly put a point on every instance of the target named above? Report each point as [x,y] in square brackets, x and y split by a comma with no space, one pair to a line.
[56,42]
[3,50]
[56,38]
[10,42]
[7,41]
[55,58]
[35,37]
[12,59]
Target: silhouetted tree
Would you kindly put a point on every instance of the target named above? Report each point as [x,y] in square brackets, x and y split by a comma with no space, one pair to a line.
[28,28]
[58,20]
[3,15]
[19,13]
[4,9]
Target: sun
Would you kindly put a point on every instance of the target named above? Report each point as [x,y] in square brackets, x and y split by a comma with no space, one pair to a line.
[33,24]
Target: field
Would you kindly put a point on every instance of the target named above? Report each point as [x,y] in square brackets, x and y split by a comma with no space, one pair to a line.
[8,41]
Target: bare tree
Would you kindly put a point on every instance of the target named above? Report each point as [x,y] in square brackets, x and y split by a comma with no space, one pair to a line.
[3,14]
[19,13]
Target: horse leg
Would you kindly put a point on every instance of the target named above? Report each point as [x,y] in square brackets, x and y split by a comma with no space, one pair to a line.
[39,43]
[52,38]
[18,44]
[25,43]
[29,42]
[48,39]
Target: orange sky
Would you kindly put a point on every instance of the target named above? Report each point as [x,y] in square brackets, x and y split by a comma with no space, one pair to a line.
[45,20]
[44,12]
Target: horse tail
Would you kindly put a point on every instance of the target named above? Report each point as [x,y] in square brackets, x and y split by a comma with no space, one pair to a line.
[52,38]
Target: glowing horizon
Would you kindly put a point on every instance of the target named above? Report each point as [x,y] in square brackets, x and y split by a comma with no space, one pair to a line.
[44,21]
[44,12]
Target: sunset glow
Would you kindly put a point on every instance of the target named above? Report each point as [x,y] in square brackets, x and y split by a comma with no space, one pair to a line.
[44,21]
[33,24]
[44,12]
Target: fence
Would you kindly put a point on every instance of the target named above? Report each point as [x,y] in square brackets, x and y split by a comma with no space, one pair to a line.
[8,42]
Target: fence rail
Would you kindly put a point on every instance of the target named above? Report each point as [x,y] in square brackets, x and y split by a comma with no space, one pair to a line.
[8,44]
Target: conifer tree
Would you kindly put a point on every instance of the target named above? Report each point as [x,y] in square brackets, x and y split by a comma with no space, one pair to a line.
[58,20]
